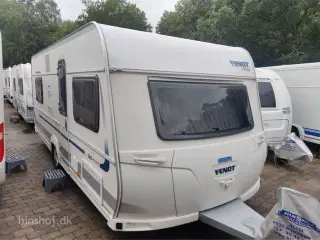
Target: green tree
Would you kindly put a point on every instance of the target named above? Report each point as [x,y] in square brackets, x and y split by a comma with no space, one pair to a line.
[26,28]
[273,31]
[114,12]
[62,29]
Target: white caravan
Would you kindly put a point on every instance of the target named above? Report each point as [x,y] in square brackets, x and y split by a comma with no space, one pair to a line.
[3,78]
[2,152]
[10,85]
[304,87]
[24,92]
[275,106]
[157,131]
[14,86]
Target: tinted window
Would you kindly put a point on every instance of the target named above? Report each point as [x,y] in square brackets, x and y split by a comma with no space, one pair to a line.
[267,98]
[62,87]
[5,79]
[9,81]
[20,84]
[14,85]
[86,102]
[39,90]
[199,110]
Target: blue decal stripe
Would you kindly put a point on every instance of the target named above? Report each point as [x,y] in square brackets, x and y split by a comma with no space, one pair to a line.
[225,159]
[298,220]
[312,132]
[72,142]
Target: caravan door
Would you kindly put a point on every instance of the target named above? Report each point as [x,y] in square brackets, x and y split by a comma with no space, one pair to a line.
[63,115]
[275,111]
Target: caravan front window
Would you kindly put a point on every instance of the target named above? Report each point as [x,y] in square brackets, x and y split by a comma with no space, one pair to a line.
[266,93]
[185,111]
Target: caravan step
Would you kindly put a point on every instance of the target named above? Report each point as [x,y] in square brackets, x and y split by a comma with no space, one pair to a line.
[235,218]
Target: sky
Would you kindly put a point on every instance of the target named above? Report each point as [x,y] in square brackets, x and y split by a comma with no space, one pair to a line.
[71,9]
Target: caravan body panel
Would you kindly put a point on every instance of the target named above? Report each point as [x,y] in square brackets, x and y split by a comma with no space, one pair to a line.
[86,155]
[100,108]
[303,86]
[276,106]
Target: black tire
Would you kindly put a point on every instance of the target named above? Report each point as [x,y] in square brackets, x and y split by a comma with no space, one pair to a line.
[295,130]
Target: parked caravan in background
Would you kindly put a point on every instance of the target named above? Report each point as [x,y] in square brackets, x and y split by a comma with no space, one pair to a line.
[275,105]
[4,81]
[2,151]
[153,144]
[14,86]
[10,85]
[304,87]
[24,92]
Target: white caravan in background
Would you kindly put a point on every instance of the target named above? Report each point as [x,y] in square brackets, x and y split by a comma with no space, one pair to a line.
[149,131]
[24,92]
[275,106]
[302,81]
[10,84]
[14,86]
[3,78]
[2,150]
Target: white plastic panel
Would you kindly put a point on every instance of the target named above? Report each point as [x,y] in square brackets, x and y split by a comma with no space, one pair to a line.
[235,218]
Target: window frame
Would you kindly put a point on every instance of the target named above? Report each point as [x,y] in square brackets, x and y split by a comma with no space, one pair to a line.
[20,84]
[165,137]
[274,95]
[35,82]
[96,128]
[63,109]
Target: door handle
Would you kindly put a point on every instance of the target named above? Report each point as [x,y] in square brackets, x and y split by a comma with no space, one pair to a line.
[227,183]
[150,160]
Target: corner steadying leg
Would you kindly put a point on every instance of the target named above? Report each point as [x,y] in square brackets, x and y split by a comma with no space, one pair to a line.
[275,159]
[25,166]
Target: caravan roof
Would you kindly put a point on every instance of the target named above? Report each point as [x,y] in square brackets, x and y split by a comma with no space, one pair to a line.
[143,51]
[295,66]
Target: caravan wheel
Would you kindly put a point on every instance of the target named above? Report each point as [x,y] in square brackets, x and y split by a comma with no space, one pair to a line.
[55,157]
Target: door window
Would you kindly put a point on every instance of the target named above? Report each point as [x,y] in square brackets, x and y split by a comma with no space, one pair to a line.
[14,85]
[20,84]
[185,111]
[39,90]
[62,88]
[86,102]
[266,93]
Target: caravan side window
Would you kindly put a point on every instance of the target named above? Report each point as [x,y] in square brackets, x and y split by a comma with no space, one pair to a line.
[14,85]
[86,102]
[62,87]
[20,84]
[5,79]
[39,90]
[9,79]
[267,98]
